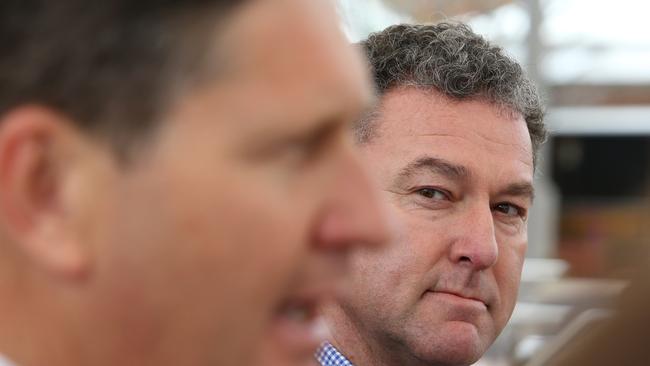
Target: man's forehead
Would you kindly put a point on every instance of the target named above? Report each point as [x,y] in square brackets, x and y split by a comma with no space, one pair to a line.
[420,135]
[457,157]
[295,44]
[426,115]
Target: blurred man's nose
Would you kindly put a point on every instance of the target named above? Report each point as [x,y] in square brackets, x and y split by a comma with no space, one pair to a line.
[475,244]
[353,215]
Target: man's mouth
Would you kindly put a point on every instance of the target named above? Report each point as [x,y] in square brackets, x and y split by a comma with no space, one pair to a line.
[299,311]
[459,297]
[298,327]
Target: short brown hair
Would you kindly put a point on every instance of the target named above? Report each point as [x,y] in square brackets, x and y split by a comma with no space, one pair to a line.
[111,66]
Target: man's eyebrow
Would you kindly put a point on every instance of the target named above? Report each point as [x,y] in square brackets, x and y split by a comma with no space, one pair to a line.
[458,172]
[520,189]
[434,165]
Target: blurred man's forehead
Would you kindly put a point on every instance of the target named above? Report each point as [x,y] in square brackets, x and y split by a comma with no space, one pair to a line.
[279,37]
[292,52]
[289,70]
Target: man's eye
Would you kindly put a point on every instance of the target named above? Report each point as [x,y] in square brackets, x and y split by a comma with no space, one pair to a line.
[432,193]
[300,151]
[509,209]
[311,145]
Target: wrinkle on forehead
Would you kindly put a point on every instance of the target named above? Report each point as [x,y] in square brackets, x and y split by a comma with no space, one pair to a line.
[523,149]
[414,116]
[416,105]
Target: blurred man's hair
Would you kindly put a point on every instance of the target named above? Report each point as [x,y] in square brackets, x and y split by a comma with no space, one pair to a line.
[453,60]
[110,66]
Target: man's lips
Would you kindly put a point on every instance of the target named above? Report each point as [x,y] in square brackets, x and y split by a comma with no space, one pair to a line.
[297,329]
[459,296]
[296,323]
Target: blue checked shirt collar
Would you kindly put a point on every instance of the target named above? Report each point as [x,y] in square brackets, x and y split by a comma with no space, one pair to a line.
[327,355]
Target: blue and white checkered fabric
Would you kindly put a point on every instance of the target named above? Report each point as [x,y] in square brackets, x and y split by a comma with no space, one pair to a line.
[327,355]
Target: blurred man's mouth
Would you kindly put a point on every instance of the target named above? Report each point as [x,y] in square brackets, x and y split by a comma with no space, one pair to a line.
[298,327]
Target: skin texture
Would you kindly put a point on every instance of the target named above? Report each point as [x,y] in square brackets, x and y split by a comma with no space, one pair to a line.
[249,195]
[457,177]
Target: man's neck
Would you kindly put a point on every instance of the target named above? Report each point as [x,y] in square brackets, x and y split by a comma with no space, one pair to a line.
[33,335]
[361,347]
[350,339]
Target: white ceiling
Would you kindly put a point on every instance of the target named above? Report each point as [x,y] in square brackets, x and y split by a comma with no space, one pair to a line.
[585,41]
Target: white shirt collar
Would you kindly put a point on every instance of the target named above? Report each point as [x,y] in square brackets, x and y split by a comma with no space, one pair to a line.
[4,361]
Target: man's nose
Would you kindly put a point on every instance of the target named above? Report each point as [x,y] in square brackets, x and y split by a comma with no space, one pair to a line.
[353,214]
[475,242]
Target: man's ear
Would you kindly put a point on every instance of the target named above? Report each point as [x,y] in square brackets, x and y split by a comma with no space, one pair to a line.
[37,150]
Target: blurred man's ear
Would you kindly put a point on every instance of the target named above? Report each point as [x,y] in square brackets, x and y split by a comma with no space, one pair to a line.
[37,164]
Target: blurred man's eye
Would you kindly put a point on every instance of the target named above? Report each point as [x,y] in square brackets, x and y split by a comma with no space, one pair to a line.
[295,149]
[302,150]
[307,147]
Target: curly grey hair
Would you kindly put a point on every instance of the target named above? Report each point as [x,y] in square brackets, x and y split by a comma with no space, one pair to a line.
[455,61]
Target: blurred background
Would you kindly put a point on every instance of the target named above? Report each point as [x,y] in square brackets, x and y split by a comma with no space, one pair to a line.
[590,227]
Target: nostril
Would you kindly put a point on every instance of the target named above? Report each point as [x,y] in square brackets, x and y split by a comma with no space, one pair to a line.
[464,259]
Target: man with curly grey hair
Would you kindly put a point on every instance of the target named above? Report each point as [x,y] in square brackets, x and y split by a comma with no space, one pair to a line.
[452,144]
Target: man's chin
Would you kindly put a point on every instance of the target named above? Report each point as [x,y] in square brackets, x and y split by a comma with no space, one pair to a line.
[456,343]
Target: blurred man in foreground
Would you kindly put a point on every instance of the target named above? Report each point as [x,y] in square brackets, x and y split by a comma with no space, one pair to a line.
[177,184]
[452,144]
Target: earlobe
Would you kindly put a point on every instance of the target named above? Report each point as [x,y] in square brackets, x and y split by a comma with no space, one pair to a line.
[33,170]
